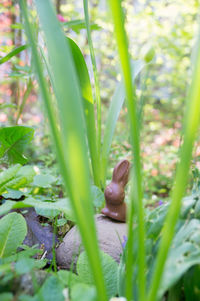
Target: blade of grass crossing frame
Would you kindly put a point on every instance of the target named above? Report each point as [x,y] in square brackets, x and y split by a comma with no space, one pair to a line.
[113,114]
[96,80]
[122,43]
[86,91]
[191,123]
[71,148]
[13,53]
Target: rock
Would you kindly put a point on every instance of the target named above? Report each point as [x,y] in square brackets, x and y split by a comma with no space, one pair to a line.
[111,234]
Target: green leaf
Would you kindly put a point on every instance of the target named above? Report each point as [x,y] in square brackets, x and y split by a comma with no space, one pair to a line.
[45,208]
[8,175]
[86,92]
[13,53]
[83,292]
[67,278]
[26,265]
[113,114]
[184,253]
[98,196]
[16,177]
[6,296]
[13,141]
[191,284]
[13,194]
[68,131]
[6,207]
[110,268]
[51,290]
[44,181]
[13,230]
[77,25]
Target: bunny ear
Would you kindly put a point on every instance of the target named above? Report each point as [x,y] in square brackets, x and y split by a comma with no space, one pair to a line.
[121,172]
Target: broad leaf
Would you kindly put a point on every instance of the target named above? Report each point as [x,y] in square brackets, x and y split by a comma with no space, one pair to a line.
[13,230]
[51,290]
[13,141]
[44,181]
[110,268]
[83,292]
[16,177]
[42,207]
[26,265]
[184,253]
[191,284]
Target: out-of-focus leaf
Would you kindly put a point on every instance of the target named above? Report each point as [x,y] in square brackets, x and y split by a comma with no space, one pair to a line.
[44,181]
[98,196]
[25,265]
[8,175]
[51,290]
[110,268]
[6,296]
[83,292]
[113,114]
[191,284]
[67,278]
[13,141]
[184,253]
[13,194]
[77,25]
[16,177]
[42,207]
[13,53]
[86,91]
[13,230]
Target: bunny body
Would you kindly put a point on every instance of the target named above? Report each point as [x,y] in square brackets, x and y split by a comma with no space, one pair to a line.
[114,193]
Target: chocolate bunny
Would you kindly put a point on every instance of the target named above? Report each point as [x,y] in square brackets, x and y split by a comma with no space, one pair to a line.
[114,193]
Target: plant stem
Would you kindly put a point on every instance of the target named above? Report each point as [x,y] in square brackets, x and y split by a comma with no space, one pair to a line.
[137,197]
[191,122]
[96,79]
[25,97]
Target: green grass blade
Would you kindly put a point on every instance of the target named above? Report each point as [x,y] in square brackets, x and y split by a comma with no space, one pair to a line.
[25,97]
[96,80]
[113,114]
[13,53]
[86,91]
[122,43]
[71,147]
[191,123]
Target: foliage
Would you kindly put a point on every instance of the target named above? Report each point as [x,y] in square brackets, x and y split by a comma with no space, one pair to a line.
[157,239]
[13,141]
[13,231]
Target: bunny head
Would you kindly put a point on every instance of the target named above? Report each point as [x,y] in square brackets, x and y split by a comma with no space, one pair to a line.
[115,194]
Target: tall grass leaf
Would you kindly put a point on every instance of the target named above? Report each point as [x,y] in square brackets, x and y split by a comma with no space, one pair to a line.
[71,148]
[191,123]
[113,114]
[86,92]
[96,79]
[137,193]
